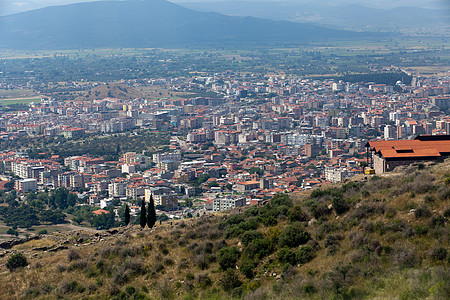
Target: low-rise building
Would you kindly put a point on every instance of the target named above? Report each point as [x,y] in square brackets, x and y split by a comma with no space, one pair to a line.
[386,155]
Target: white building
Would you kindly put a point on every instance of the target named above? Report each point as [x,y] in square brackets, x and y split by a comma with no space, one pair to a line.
[159,157]
[126,168]
[227,203]
[337,174]
[26,185]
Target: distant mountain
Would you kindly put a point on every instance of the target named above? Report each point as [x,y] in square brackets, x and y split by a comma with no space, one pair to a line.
[149,23]
[344,16]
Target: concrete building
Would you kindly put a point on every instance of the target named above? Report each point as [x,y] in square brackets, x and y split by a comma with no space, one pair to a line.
[227,203]
[159,157]
[246,186]
[26,185]
[169,201]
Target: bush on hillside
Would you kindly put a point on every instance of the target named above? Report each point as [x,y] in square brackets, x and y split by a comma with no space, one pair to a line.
[259,248]
[249,236]
[230,280]
[16,261]
[228,257]
[296,213]
[293,236]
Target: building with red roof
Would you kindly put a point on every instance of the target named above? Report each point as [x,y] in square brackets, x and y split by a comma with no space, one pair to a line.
[386,155]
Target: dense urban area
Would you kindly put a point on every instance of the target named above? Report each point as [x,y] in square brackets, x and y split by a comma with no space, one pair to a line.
[286,150]
[78,150]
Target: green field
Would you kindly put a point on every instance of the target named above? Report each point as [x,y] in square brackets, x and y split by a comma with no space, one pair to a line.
[381,45]
[6,102]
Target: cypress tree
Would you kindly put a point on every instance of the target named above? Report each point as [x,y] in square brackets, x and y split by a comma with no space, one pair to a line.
[143,219]
[127,215]
[151,216]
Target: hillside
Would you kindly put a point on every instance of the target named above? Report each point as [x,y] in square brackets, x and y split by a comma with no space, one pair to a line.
[149,23]
[381,237]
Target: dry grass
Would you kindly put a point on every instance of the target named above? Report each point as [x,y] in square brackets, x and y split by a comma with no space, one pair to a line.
[160,262]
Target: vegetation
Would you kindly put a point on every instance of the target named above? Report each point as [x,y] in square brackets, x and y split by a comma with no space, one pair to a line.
[143,215]
[127,215]
[16,261]
[151,214]
[363,239]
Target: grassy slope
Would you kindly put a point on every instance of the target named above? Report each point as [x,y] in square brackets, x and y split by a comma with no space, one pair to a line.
[382,245]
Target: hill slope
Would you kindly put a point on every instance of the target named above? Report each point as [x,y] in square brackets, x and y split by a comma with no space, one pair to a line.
[149,23]
[384,238]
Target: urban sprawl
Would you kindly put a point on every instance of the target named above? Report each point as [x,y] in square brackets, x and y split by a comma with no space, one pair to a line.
[223,152]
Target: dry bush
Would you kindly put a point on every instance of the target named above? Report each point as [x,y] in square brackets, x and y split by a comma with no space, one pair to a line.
[73,255]
[183,264]
[201,261]
[443,192]
[404,256]
[77,265]
[110,252]
[71,287]
[61,268]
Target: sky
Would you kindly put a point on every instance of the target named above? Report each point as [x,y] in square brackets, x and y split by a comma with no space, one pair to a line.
[15,6]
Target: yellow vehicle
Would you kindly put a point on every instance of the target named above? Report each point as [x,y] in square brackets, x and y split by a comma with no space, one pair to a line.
[369,171]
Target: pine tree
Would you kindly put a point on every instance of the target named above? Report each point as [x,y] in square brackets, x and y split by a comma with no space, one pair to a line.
[127,215]
[151,216]
[143,219]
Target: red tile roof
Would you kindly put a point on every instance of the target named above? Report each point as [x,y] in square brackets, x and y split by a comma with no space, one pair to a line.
[411,148]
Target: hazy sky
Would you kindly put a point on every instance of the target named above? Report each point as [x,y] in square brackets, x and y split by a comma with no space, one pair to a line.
[14,6]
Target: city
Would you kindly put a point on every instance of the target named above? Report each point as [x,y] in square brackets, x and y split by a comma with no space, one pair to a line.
[210,149]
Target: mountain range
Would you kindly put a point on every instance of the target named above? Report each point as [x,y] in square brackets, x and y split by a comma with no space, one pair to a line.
[150,23]
[342,15]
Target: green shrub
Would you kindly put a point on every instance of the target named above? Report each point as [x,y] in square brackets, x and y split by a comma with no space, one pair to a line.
[247,266]
[309,288]
[286,255]
[421,229]
[12,232]
[332,240]
[340,205]
[190,276]
[281,199]
[230,280]
[204,281]
[422,212]
[16,261]
[437,221]
[259,248]
[447,213]
[305,254]
[430,199]
[249,236]
[228,257]
[238,229]
[269,221]
[296,213]
[252,211]
[293,236]
[318,210]
[233,220]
